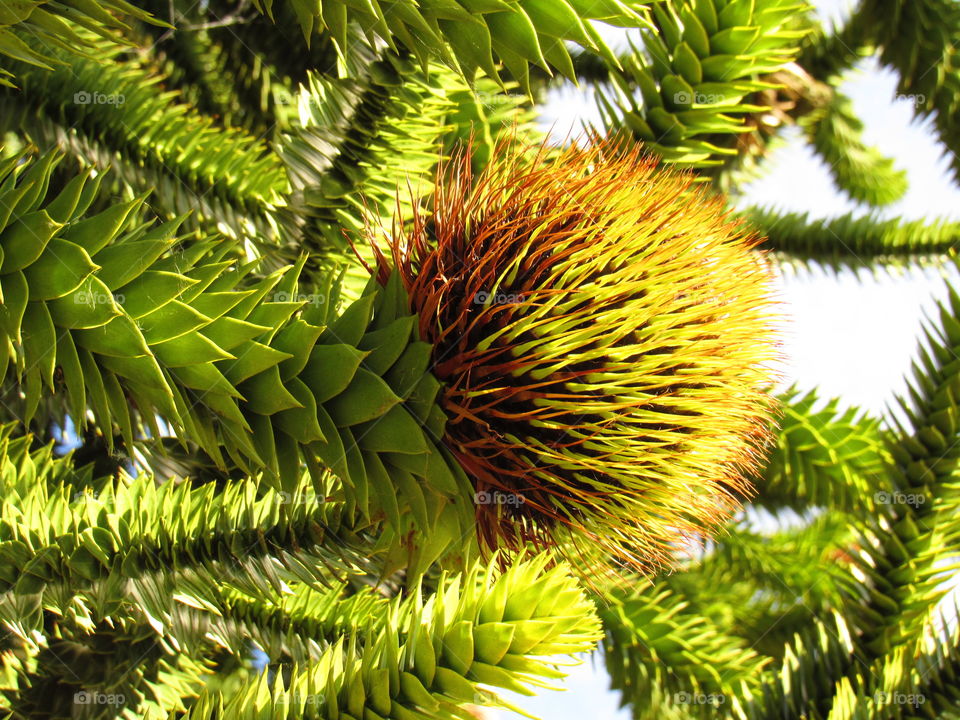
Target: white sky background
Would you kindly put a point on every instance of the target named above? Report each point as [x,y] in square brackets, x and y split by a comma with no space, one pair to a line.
[853,337]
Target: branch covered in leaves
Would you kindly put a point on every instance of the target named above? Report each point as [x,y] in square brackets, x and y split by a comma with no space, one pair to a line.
[53,24]
[207,568]
[657,654]
[115,316]
[429,656]
[87,548]
[697,75]
[900,556]
[863,172]
[853,241]
[473,35]
[358,140]
[823,458]
[918,39]
[112,112]
[827,55]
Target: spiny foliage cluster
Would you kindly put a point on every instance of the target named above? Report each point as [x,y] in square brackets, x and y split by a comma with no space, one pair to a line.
[253,464]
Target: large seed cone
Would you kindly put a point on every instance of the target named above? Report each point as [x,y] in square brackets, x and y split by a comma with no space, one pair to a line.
[604,335]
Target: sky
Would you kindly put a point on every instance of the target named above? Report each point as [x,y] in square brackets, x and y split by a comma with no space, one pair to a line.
[851,336]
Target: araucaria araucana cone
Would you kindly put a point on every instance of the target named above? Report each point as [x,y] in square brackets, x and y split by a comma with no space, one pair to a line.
[605,336]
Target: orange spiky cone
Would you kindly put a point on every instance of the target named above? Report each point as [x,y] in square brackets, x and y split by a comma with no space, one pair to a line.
[604,335]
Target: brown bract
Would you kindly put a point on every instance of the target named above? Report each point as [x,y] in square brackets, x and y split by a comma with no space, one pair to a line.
[604,335]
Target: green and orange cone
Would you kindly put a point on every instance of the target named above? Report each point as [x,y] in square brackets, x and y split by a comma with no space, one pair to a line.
[605,338]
